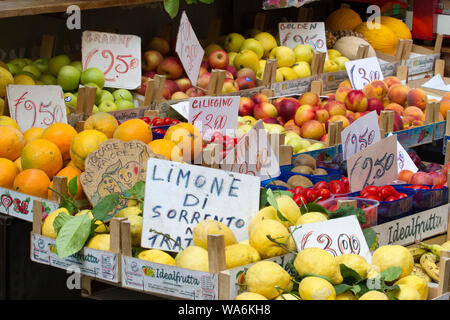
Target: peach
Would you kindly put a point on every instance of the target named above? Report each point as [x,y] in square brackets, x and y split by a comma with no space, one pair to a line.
[356,100]
[345,83]
[265,110]
[304,114]
[287,108]
[350,115]
[202,71]
[446,167]
[246,106]
[374,104]
[390,81]
[345,121]
[290,126]
[395,107]
[421,178]
[405,175]
[375,89]
[312,129]
[277,102]
[444,106]
[322,115]
[324,138]
[446,96]
[341,93]
[259,98]
[335,108]
[310,98]
[331,96]
[438,177]
[398,93]
[411,121]
[417,97]
[414,112]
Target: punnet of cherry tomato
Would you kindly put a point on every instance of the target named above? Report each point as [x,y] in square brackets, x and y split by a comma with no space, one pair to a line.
[426,196]
[322,190]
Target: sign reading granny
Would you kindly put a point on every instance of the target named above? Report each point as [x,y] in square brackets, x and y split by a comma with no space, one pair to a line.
[178,196]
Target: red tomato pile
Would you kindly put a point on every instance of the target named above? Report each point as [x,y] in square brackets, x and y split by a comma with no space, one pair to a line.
[422,187]
[384,193]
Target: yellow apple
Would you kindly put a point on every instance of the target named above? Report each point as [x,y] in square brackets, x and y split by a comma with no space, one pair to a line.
[333,53]
[285,73]
[254,45]
[231,56]
[302,68]
[340,61]
[260,72]
[267,40]
[284,55]
[330,66]
[233,42]
[304,52]
[247,59]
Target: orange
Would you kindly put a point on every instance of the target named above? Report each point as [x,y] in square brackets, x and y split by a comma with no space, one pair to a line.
[7,121]
[188,138]
[70,173]
[8,171]
[83,144]
[18,164]
[134,129]
[103,122]
[62,135]
[167,148]
[42,154]
[33,182]
[11,142]
[32,134]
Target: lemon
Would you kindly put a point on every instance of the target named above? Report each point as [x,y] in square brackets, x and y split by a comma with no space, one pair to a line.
[333,53]
[311,217]
[102,228]
[355,262]
[407,292]
[240,254]
[318,261]
[24,79]
[247,242]
[374,295]
[264,276]
[416,282]
[250,296]
[7,121]
[372,273]
[100,242]
[136,229]
[157,256]
[393,256]
[315,288]
[5,79]
[265,247]
[288,209]
[209,226]
[194,258]
[265,213]
[47,226]
[288,296]
[126,212]
[347,295]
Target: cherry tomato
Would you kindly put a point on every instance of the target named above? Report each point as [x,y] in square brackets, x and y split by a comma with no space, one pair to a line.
[321,185]
[324,194]
[337,187]
[298,190]
[299,199]
[157,122]
[387,191]
[438,186]
[167,121]
[370,190]
[418,187]
[158,130]
[147,120]
[175,121]
[345,181]
[333,208]
[371,197]
[391,198]
[310,195]
[402,195]
[217,138]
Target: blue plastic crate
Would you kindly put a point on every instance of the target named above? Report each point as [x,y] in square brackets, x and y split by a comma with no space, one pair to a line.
[426,199]
[158,135]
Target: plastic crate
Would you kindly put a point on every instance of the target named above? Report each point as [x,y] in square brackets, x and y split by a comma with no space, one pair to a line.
[425,199]
[158,135]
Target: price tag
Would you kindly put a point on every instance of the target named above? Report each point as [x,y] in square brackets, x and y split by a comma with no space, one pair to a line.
[211,114]
[363,71]
[253,155]
[36,106]
[189,49]
[404,161]
[336,236]
[196,193]
[375,165]
[117,55]
[362,133]
[311,33]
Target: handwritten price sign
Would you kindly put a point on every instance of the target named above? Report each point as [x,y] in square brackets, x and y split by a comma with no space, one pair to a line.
[189,49]
[363,71]
[310,33]
[375,165]
[117,55]
[360,134]
[36,106]
[211,114]
[337,236]
[253,155]
[404,161]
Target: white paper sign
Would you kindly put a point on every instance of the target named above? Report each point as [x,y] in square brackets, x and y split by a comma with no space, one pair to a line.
[362,133]
[118,56]
[404,161]
[363,71]
[189,49]
[211,114]
[182,108]
[178,196]
[336,236]
[253,155]
[311,33]
[36,106]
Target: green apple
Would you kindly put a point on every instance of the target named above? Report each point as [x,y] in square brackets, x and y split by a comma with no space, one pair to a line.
[107,106]
[26,73]
[233,42]
[57,62]
[93,75]
[28,61]
[77,64]
[68,78]
[122,94]
[70,99]
[13,68]
[254,45]
[124,104]
[95,109]
[19,62]
[48,79]
[104,96]
[41,64]
[33,70]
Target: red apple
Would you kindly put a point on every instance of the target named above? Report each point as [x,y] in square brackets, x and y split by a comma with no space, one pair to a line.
[232,70]
[230,86]
[287,108]
[245,83]
[149,74]
[171,68]
[259,98]
[179,95]
[151,60]
[183,84]
[203,80]
[247,72]
[195,92]
[171,85]
[246,106]
[218,59]
[270,120]
[166,94]
[158,44]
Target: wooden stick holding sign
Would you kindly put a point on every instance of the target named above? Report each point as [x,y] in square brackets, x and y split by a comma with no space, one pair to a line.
[403,74]
[387,118]
[439,67]
[334,133]
[432,113]
[216,82]
[47,46]
[270,72]
[317,63]
[317,87]
[363,51]
[85,101]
